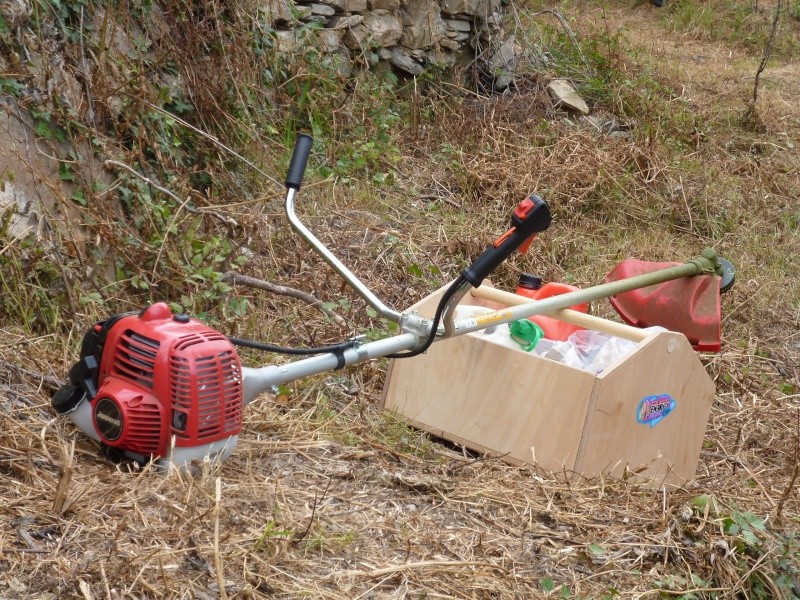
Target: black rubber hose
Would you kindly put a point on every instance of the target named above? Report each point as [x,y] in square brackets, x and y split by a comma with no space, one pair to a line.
[290,351]
[454,287]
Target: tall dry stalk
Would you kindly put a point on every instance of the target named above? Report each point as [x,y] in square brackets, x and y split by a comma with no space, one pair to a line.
[750,116]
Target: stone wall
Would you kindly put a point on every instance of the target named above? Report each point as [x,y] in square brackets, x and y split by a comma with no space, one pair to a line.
[410,34]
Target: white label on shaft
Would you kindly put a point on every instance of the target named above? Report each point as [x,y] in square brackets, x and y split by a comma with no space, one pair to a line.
[466,324]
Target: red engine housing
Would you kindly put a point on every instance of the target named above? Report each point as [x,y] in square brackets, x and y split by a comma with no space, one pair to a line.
[166,377]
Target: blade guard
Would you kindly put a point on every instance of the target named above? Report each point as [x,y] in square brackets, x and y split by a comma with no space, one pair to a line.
[690,305]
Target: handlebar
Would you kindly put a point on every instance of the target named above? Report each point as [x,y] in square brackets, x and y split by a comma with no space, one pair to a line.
[294,179]
[530,217]
[297,166]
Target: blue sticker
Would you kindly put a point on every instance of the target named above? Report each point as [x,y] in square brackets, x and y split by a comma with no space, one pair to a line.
[653,409]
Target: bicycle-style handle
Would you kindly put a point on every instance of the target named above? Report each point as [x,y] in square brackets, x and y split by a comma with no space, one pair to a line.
[297,166]
[531,216]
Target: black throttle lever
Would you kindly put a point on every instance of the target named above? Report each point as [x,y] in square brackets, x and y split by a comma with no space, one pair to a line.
[530,217]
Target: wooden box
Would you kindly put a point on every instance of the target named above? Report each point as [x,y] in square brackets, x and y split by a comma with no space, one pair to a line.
[528,409]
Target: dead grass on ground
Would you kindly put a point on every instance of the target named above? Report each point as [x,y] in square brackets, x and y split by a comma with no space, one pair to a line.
[329,497]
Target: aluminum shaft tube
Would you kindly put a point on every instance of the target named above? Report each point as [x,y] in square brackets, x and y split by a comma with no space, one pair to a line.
[262,379]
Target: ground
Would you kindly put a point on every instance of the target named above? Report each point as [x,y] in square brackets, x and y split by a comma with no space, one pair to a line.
[328,496]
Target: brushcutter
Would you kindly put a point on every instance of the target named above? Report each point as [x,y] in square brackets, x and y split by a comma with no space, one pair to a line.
[164,387]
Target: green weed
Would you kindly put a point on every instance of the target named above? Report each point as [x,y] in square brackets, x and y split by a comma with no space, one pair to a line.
[271,532]
[329,542]
[766,560]
[33,287]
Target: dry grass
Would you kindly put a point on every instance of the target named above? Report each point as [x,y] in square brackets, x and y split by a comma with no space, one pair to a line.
[328,497]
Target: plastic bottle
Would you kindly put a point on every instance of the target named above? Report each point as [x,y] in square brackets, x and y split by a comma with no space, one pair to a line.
[531,287]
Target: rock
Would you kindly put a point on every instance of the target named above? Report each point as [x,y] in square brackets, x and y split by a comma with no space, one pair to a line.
[348,6]
[457,25]
[475,8]
[286,41]
[380,27]
[34,200]
[322,10]
[60,82]
[279,12]
[449,44]
[503,81]
[321,19]
[342,23]
[330,40]
[438,58]
[495,19]
[564,94]
[357,6]
[355,36]
[458,36]
[301,13]
[503,64]
[594,123]
[343,62]
[383,27]
[401,59]
[20,213]
[423,25]
[390,5]
[605,123]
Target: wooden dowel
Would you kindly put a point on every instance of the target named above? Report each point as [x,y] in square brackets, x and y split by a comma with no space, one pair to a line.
[573,317]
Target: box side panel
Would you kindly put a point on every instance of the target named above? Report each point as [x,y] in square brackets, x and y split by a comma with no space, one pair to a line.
[496,398]
[427,308]
[650,414]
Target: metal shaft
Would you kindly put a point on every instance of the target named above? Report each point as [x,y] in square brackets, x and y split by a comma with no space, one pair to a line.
[258,380]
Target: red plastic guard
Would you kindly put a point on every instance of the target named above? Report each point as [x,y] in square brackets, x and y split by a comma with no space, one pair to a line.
[689,305]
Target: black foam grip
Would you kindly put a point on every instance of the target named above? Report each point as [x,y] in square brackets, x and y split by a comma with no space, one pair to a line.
[297,167]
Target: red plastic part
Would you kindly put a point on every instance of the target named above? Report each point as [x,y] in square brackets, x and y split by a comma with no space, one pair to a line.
[689,305]
[521,212]
[168,377]
[553,328]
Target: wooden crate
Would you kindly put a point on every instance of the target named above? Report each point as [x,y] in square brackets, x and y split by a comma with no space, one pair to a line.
[528,409]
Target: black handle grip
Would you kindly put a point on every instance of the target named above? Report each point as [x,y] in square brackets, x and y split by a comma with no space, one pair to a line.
[530,217]
[297,166]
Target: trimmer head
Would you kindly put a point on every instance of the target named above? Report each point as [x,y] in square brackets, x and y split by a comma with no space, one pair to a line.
[689,305]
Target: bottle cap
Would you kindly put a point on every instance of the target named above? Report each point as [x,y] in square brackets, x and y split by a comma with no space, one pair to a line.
[526,333]
[531,282]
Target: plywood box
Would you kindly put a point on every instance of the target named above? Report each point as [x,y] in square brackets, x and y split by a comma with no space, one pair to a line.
[528,409]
